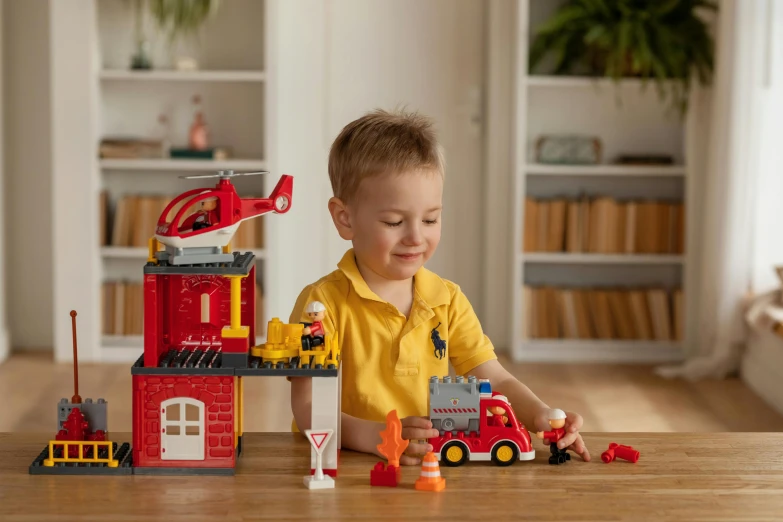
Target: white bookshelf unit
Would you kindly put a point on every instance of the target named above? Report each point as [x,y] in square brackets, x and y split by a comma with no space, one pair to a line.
[628,118]
[231,81]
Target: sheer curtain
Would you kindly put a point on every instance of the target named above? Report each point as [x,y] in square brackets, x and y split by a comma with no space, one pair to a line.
[727,181]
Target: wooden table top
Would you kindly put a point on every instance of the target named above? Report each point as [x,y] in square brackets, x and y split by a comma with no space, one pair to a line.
[715,476]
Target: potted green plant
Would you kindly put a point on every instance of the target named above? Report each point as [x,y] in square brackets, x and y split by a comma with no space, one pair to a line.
[182,17]
[175,18]
[666,41]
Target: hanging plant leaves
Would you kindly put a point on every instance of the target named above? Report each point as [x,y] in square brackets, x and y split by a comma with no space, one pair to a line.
[664,41]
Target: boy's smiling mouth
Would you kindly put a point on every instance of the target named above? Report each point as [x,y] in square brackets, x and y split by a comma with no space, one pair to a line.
[409,257]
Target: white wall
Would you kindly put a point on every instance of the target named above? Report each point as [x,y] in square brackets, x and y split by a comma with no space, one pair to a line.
[497,280]
[28,195]
[330,62]
[74,97]
[768,248]
[428,57]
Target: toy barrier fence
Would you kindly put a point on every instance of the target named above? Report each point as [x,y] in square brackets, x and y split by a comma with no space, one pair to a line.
[94,444]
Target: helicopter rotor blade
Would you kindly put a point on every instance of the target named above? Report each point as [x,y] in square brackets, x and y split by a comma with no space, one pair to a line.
[231,174]
[201,176]
[251,173]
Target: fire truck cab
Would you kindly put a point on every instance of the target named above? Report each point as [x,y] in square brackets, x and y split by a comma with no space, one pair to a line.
[462,412]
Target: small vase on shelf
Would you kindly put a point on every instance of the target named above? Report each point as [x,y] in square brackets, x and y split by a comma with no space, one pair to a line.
[198,138]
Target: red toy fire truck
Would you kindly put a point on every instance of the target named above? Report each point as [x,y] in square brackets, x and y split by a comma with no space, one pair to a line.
[474,424]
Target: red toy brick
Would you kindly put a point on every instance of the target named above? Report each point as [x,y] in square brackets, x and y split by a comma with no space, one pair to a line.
[382,475]
[621,452]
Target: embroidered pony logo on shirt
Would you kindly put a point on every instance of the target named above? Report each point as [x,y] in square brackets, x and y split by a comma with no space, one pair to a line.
[440,344]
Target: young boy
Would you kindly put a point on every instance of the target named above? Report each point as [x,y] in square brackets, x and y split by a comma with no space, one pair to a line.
[391,314]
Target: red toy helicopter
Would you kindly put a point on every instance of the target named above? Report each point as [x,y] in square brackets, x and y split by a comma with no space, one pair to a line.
[206,219]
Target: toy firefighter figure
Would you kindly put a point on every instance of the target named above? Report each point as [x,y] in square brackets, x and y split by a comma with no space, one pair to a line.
[498,418]
[557,422]
[206,216]
[316,312]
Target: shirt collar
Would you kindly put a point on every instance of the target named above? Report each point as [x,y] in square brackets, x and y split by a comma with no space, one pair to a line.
[427,285]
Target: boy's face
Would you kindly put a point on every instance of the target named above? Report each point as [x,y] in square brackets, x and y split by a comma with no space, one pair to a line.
[395,222]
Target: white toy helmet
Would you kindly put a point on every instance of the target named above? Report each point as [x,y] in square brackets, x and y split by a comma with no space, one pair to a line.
[315,307]
[555,414]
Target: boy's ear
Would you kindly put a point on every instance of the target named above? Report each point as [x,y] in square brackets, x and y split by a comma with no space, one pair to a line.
[341,217]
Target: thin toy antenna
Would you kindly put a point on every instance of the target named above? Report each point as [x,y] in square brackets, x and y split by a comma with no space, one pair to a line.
[75,399]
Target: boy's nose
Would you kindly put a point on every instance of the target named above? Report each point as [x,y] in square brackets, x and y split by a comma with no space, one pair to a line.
[413,236]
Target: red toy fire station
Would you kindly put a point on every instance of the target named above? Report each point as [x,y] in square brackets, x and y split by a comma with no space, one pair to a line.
[199,328]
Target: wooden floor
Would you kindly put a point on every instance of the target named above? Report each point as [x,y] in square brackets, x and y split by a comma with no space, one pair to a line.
[609,397]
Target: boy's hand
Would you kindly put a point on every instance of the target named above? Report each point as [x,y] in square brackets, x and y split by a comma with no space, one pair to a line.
[416,429]
[572,440]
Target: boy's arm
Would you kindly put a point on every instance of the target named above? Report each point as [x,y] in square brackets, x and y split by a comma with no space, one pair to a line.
[356,434]
[471,353]
[529,409]
[362,435]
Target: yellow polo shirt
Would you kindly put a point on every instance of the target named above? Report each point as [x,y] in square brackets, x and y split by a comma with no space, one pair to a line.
[387,359]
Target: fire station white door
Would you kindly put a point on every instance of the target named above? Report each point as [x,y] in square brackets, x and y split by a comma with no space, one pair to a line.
[182,429]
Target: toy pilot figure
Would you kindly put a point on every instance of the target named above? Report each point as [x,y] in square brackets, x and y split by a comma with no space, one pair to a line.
[557,422]
[206,216]
[316,312]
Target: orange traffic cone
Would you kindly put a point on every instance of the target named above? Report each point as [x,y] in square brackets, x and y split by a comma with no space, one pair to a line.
[430,479]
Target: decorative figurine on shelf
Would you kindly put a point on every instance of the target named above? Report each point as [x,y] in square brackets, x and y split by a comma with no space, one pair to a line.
[198,138]
[162,133]
[557,422]
[141,59]
[314,330]
[187,63]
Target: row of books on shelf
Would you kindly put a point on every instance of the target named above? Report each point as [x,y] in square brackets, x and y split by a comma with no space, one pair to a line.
[140,148]
[123,308]
[603,313]
[603,225]
[135,217]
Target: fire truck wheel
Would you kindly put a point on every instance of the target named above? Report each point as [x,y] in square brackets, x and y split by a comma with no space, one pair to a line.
[504,454]
[454,454]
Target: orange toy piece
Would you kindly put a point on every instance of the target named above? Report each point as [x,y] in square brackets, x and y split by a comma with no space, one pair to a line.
[430,479]
[392,447]
[393,444]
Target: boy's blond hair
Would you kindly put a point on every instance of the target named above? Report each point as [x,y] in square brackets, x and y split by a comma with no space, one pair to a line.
[382,142]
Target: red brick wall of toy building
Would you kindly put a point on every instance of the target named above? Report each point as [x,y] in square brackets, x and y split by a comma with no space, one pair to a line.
[217,394]
[173,311]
